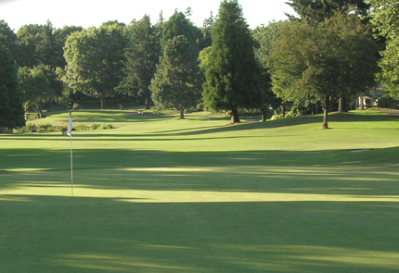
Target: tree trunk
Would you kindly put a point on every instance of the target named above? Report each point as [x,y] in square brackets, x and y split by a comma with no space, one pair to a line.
[325,116]
[234,116]
[39,111]
[147,105]
[181,113]
[102,103]
[342,105]
[263,109]
[283,110]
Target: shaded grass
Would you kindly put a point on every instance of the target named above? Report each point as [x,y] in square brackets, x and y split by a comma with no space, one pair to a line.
[163,195]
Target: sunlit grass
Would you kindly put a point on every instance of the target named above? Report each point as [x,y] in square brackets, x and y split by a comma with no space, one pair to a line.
[158,194]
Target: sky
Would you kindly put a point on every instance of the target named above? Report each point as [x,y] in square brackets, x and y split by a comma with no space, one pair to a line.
[88,13]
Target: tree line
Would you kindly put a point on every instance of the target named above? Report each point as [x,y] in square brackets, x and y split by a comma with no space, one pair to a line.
[327,54]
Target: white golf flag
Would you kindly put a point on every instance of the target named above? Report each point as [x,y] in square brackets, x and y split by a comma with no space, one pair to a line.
[70,125]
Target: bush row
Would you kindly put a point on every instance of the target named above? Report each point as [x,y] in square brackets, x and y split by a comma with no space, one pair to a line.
[42,128]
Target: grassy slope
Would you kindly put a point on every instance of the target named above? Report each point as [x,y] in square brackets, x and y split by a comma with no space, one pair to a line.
[158,194]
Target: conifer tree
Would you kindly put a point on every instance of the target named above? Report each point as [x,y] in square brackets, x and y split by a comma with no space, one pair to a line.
[176,83]
[142,55]
[232,71]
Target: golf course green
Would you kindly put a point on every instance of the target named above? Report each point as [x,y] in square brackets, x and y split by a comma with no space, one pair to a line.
[161,195]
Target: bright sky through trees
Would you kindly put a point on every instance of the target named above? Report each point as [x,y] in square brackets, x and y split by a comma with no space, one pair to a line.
[87,13]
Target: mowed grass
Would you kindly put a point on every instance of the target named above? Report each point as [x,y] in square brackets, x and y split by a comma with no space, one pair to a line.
[158,194]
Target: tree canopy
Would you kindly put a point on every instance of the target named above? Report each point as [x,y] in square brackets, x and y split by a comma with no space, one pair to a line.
[95,60]
[11,110]
[322,62]
[232,71]
[384,18]
[142,56]
[39,84]
[176,83]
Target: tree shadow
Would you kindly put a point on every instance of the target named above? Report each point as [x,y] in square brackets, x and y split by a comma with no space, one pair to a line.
[63,234]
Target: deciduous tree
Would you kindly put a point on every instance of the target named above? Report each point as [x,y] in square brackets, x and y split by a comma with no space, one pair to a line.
[320,62]
[95,59]
[265,37]
[385,19]
[39,84]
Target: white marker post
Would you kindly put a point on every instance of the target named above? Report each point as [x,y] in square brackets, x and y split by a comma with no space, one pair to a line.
[69,133]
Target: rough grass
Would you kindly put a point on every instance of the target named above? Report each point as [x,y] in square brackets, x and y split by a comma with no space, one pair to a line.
[158,194]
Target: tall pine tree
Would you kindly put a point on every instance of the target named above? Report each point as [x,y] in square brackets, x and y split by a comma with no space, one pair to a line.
[176,83]
[142,55]
[232,71]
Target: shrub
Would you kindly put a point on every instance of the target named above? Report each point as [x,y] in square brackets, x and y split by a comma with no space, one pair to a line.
[76,106]
[107,126]
[95,126]
[80,127]
[30,127]
[277,116]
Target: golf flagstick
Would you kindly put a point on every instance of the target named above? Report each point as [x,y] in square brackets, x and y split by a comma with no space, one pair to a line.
[71,168]
[69,133]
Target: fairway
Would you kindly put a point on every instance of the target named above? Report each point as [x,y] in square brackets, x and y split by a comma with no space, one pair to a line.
[162,195]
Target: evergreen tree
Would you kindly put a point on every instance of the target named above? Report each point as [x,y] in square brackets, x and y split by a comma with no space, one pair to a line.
[142,55]
[11,109]
[232,71]
[179,24]
[176,83]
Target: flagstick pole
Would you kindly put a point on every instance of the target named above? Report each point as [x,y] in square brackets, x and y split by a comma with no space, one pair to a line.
[71,168]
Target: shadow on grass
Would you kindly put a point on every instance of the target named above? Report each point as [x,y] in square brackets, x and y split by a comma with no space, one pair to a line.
[369,116]
[60,234]
[326,172]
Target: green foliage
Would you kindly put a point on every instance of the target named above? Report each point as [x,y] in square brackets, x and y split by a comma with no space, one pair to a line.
[39,84]
[384,17]
[142,55]
[265,39]
[95,126]
[232,71]
[178,24]
[60,37]
[390,69]
[315,62]
[10,37]
[318,11]
[176,82]
[11,110]
[107,126]
[37,45]
[95,59]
